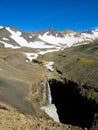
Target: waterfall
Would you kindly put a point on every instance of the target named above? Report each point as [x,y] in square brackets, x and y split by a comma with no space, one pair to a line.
[50,108]
[49,93]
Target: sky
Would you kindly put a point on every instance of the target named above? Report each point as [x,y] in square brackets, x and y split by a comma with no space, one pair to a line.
[36,15]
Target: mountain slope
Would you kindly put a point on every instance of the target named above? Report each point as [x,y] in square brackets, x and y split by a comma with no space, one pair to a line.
[35,67]
[73,83]
[44,41]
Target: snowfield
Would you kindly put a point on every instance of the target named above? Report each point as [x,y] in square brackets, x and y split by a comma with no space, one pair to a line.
[68,40]
[44,43]
[92,36]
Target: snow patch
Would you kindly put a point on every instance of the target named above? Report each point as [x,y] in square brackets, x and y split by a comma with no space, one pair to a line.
[9,45]
[49,66]
[39,44]
[30,36]
[6,39]
[16,36]
[67,41]
[51,111]
[91,36]
[48,51]
[31,56]
[51,39]
[1,27]
[70,39]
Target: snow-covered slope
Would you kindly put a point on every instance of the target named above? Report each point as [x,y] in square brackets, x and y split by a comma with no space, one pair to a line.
[91,34]
[44,41]
[67,40]
[15,39]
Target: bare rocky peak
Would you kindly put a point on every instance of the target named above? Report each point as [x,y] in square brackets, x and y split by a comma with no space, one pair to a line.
[88,32]
[51,32]
[28,36]
[34,33]
[13,29]
[4,32]
[65,32]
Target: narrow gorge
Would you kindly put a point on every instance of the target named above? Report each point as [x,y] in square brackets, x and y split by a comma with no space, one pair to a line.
[72,107]
[73,85]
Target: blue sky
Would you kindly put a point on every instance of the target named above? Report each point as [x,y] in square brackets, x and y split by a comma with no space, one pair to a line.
[34,15]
